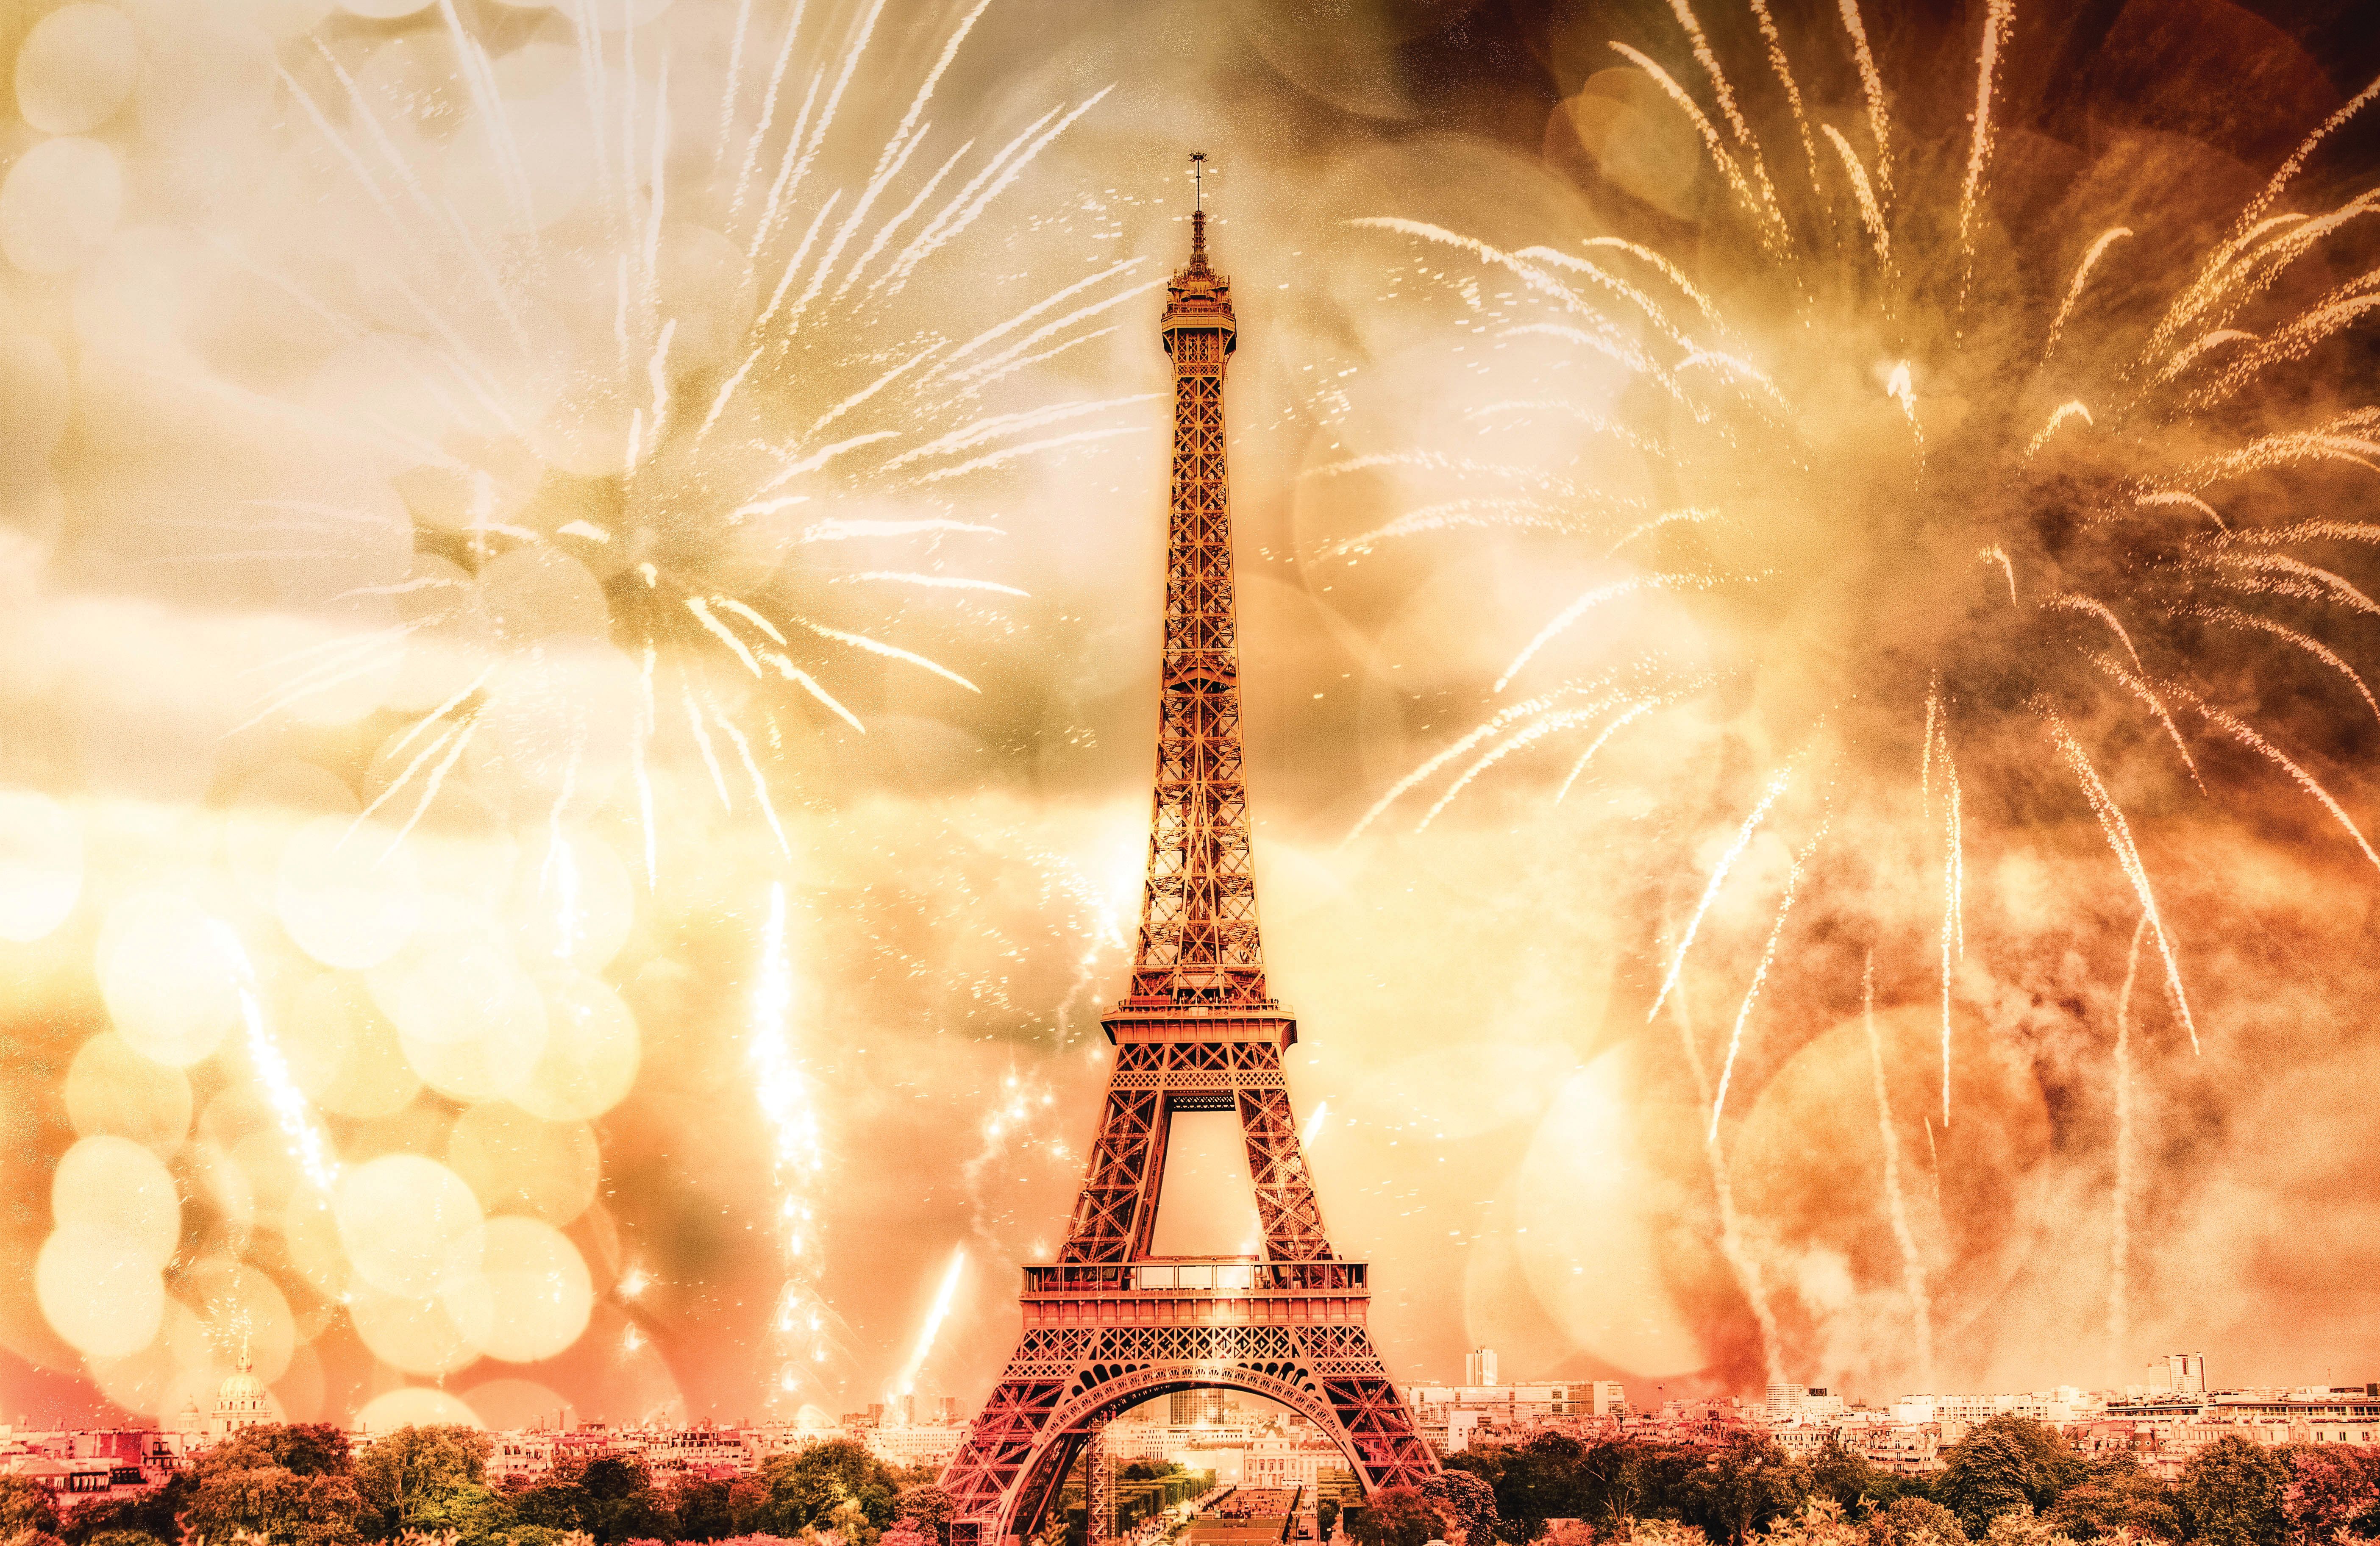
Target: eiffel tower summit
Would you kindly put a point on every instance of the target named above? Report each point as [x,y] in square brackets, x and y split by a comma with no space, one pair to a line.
[1108,1326]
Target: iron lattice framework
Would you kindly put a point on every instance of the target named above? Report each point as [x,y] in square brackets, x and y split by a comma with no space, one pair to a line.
[1108,1326]
[1098,1487]
[1198,938]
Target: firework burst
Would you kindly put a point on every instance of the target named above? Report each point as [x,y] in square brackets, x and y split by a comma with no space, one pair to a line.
[672,390]
[1904,522]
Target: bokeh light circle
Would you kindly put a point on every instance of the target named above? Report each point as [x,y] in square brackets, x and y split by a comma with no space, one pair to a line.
[342,1051]
[382,10]
[519,1164]
[590,1052]
[113,1184]
[309,1236]
[418,1335]
[232,1307]
[60,200]
[74,68]
[457,987]
[347,892]
[401,1218]
[99,1290]
[416,1406]
[530,1297]
[169,984]
[41,864]
[268,809]
[111,1089]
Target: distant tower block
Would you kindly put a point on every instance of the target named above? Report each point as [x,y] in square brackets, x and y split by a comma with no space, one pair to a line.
[2188,1371]
[1108,1326]
[1479,1367]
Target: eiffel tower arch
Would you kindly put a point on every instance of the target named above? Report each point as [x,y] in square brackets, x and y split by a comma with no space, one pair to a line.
[1108,1326]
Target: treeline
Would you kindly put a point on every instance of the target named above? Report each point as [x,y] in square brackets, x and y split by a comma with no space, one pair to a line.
[2011,1481]
[299,1485]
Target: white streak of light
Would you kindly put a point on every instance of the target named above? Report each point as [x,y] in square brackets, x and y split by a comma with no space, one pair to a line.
[307,1144]
[1710,891]
[934,1318]
[1913,1266]
[2120,1244]
[1760,978]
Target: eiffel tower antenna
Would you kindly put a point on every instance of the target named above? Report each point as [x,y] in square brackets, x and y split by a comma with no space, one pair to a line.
[1108,1326]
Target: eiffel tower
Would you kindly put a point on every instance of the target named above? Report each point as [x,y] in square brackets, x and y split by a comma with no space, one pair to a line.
[1107,1325]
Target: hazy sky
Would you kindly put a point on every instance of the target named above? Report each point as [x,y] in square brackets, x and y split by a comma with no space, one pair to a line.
[464,496]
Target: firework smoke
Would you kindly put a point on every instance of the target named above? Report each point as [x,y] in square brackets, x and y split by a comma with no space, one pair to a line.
[1865,483]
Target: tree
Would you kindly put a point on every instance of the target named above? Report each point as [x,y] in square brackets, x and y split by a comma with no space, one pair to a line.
[2333,1490]
[404,1477]
[1395,1517]
[1820,1521]
[27,1505]
[1915,1522]
[617,1501]
[1467,1504]
[276,1506]
[299,1448]
[1668,1532]
[2003,1462]
[152,1514]
[927,1506]
[1740,1485]
[1848,1477]
[2116,1495]
[703,1508]
[838,1484]
[2232,1494]
[553,1502]
[2021,1526]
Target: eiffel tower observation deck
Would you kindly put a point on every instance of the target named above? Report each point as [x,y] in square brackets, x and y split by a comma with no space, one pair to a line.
[1108,1326]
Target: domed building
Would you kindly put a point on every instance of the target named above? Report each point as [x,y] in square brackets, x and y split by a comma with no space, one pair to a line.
[241,1401]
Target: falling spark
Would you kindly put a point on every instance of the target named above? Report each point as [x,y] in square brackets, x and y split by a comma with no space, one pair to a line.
[933,1325]
[1760,975]
[781,1087]
[308,1145]
[1710,889]
[1913,1266]
[1731,1237]
[2120,1236]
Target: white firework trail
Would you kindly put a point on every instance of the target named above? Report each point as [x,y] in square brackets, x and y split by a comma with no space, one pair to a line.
[798,1325]
[932,1326]
[1711,888]
[1913,1264]
[307,1143]
[2119,1241]
[1760,975]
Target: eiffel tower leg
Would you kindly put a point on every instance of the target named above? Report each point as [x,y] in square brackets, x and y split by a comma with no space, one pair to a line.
[1286,1210]
[1062,1380]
